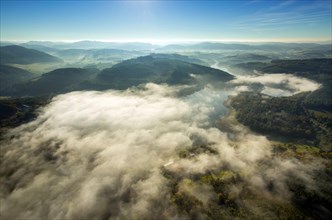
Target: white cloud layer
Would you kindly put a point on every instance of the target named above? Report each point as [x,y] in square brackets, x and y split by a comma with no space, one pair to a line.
[98,155]
[278,84]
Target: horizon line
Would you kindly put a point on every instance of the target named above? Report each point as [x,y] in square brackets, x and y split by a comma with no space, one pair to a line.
[170,41]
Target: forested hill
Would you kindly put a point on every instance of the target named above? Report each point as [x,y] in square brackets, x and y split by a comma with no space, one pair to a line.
[55,82]
[289,119]
[158,69]
[11,75]
[169,69]
[14,54]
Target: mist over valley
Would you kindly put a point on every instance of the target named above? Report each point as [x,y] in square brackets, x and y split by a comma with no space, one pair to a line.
[194,123]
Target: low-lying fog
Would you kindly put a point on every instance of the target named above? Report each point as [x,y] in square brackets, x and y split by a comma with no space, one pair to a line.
[277,84]
[99,155]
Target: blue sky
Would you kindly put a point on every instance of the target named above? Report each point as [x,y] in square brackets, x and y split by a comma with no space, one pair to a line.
[256,20]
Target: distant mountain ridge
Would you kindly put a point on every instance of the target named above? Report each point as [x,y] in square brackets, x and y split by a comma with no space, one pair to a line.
[87,44]
[213,46]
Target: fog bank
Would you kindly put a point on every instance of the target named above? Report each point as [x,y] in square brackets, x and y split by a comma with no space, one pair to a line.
[103,155]
[277,84]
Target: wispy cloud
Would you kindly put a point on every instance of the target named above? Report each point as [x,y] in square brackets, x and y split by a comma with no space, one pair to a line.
[282,5]
[252,2]
[279,17]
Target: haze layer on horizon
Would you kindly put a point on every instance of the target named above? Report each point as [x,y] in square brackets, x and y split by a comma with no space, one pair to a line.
[167,21]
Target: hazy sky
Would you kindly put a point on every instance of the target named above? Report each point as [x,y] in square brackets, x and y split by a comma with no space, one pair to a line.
[166,20]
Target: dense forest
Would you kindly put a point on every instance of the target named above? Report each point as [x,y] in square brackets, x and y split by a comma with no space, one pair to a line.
[233,197]
[287,118]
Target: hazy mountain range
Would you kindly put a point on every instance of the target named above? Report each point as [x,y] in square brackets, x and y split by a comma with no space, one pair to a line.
[44,45]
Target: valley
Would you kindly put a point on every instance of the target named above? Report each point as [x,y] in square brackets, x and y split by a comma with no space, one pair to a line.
[168,110]
[223,131]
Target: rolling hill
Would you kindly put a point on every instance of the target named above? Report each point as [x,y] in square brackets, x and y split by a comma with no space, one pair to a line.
[14,54]
[158,69]
[176,56]
[96,55]
[310,68]
[11,75]
[54,82]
